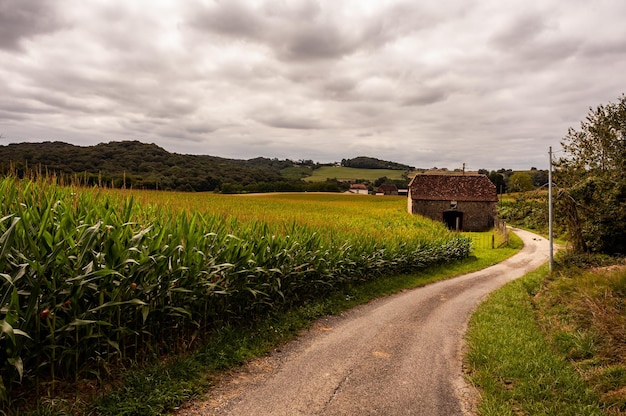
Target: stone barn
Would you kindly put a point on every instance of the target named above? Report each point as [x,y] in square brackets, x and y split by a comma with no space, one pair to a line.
[465,202]
[387,189]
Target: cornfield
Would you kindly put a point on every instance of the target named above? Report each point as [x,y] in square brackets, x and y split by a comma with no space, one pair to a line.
[91,279]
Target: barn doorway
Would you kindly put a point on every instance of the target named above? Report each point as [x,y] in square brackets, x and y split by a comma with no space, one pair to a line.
[453,219]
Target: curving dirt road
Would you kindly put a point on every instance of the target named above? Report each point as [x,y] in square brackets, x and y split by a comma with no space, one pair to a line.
[400,355]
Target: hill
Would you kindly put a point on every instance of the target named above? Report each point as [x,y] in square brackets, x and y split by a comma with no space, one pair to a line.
[133,164]
[140,165]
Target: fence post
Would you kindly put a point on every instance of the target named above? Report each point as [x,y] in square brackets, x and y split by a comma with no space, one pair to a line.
[506,232]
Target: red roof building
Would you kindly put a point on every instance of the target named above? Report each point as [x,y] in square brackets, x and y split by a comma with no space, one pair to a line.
[359,188]
[464,202]
[387,189]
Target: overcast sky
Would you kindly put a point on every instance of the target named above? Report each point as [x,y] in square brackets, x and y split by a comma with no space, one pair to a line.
[428,83]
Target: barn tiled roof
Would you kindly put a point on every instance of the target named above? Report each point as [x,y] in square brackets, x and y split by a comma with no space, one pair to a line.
[358,186]
[388,187]
[453,188]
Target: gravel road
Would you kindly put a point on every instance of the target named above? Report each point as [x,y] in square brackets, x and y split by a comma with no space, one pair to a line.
[399,355]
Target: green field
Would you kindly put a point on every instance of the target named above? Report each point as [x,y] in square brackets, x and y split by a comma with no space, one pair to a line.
[352,174]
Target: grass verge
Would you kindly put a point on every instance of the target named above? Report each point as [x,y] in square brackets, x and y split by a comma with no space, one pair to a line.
[582,309]
[160,389]
[515,365]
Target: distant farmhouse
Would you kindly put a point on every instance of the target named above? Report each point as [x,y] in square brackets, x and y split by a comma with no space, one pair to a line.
[465,202]
[358,188]
[387,189]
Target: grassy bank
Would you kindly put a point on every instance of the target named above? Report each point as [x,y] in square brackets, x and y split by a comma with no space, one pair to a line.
[552,345]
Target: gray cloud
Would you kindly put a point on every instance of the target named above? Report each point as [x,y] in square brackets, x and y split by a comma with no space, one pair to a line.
[302,31]
[231,18]
[317,41]
[23,19]
[521,31]
[299,33]
[297,123]
[426,97]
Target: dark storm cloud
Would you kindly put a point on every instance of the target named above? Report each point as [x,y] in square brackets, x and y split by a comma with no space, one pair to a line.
[23,19]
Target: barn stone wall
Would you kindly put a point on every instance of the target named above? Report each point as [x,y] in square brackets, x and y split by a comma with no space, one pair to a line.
[477,216]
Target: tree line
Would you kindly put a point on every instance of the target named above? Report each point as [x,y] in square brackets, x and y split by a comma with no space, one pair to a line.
[590,181]
[507,180]
[589,185]
[364,162]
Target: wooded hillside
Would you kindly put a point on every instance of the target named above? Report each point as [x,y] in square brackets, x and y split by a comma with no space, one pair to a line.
[148,166]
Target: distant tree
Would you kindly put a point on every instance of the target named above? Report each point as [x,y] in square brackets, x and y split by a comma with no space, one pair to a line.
[498,180]
[539,177]
[520,182]
[305,162]
[380,181]
[591,180]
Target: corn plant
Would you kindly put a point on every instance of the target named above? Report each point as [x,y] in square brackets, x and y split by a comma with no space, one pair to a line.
[93,279]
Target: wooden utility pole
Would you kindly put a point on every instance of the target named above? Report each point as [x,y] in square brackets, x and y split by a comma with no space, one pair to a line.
[550,211]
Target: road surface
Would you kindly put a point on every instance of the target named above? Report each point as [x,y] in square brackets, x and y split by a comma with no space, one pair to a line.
[399,355]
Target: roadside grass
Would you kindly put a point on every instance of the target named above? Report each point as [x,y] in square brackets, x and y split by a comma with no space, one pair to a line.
[513,364]
[162,388]
[583,312]
[552,345]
